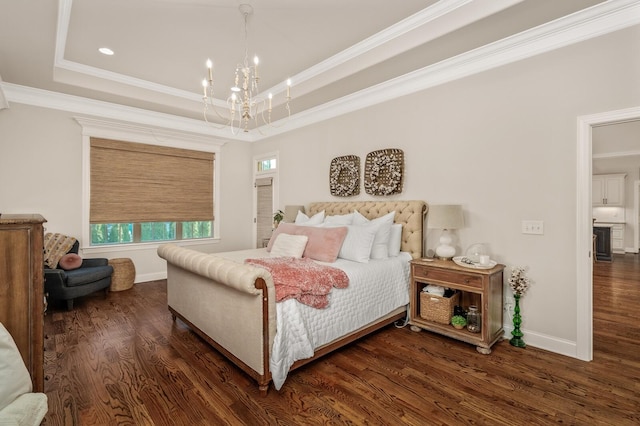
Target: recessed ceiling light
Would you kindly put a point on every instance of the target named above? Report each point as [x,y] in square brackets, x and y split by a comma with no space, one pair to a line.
[105,51]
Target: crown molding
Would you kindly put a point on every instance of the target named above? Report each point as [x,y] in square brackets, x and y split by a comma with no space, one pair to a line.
[133,132]
[595,21]
[110,111]
[403,35]
[604,18]
[423,26]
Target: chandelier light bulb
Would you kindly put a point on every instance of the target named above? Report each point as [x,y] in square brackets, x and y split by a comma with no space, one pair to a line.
[210,68]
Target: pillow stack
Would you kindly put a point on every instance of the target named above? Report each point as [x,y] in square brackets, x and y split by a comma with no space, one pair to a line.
[351,236]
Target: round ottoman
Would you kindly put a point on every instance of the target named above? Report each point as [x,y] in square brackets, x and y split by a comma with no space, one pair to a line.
[124,273]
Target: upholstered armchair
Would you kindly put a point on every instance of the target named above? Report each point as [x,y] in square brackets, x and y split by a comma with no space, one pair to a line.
[90,276]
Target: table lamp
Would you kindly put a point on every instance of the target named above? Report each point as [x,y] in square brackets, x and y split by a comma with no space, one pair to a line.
[445,217]
[290,213]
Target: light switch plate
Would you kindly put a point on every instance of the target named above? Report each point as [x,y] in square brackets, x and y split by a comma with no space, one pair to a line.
[535,227]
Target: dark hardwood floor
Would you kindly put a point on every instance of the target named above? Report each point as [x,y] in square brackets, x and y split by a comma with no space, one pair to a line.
[121,360]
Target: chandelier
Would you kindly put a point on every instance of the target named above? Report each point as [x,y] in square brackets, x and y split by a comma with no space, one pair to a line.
[245,103]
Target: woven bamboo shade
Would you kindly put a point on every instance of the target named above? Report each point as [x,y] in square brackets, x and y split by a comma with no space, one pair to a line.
[133,182]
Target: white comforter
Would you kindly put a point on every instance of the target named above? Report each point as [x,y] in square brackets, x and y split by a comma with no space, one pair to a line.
[375,289]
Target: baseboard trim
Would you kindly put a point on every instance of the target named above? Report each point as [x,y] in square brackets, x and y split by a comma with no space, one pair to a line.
[153,276]
[546,342]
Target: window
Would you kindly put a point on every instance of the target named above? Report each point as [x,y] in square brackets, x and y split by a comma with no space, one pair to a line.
[267,165]
[146,193]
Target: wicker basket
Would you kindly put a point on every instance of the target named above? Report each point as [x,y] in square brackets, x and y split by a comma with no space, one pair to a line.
[124,274]
[437,308]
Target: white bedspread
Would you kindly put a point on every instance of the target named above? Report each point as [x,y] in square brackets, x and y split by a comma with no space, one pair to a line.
[375,289]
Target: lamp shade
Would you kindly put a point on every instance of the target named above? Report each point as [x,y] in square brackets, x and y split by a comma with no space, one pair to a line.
[445,217]
[291,212]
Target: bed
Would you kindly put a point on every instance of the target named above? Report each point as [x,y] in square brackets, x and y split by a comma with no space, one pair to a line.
[231,304]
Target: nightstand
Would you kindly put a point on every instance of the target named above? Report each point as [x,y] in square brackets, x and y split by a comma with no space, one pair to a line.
[480,287]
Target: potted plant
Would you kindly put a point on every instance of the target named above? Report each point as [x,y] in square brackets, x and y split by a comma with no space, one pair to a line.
[458,321]
[277,218]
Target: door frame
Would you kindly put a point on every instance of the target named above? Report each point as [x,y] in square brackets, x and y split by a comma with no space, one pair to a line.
[636,216]
[275,185]
[584,224]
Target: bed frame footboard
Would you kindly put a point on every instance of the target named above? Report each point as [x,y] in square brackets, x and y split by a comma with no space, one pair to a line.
[229,304]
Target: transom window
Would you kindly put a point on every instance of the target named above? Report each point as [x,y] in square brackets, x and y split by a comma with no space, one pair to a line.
[267,165]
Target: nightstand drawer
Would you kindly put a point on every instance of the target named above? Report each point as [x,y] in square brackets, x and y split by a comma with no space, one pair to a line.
[452,277]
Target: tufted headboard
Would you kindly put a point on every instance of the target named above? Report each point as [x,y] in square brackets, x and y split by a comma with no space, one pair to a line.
[410,214]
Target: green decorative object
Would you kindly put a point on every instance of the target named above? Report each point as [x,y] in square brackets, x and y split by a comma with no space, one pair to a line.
[458,321]
[277,217]
[516,340]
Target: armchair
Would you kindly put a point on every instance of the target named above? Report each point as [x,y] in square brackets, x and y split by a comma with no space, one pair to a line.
[91,276]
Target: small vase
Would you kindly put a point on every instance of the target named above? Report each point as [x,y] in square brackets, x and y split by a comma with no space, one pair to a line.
[516,340]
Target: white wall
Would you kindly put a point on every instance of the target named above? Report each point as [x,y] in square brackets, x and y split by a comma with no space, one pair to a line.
[502,144]
[41,172]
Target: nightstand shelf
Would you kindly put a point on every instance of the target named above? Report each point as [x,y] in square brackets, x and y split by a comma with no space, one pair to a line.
[480,287]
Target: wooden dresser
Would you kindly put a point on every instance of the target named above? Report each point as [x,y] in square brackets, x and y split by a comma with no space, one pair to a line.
[22,288]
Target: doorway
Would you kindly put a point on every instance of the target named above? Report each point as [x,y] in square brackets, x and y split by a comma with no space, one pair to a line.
[584,231]
[265,196]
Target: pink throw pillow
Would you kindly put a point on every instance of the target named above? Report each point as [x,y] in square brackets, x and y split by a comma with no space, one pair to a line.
[324,243]
[70,261]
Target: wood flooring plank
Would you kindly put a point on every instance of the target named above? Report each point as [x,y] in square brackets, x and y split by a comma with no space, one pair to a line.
[120,359]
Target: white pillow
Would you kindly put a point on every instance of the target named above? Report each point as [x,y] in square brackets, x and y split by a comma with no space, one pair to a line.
[380,248]
[14,376]
[287,245]
[357,244]
[303,219]
[395,240]
[344,219]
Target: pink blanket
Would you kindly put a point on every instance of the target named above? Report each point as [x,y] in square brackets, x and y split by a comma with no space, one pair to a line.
[302,279]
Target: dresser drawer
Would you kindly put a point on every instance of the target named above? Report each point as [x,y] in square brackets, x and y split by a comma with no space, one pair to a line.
[445,276]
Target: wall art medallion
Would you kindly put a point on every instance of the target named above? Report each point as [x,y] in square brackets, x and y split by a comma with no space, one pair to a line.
[344,176]
[383,172]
